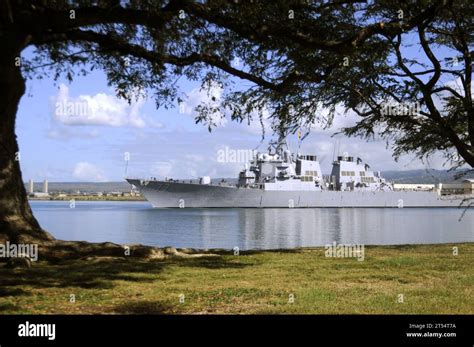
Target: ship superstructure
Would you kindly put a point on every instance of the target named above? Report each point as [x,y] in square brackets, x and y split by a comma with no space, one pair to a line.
[282,170]
[279,178]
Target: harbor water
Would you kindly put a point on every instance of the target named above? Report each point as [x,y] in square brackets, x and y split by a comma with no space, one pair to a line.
[137,222]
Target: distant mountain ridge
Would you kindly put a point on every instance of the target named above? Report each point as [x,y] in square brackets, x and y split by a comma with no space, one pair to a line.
[425,176]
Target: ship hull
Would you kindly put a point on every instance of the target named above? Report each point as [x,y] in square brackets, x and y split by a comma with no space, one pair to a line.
[164,194]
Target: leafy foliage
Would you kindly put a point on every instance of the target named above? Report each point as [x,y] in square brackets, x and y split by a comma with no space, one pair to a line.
[298,57]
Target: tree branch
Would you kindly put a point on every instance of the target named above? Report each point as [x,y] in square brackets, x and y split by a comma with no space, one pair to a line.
[109,43]
[431,57]
[448,89]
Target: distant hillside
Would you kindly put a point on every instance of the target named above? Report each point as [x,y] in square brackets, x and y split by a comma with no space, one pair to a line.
[72,187]
[423,176]
[410,176]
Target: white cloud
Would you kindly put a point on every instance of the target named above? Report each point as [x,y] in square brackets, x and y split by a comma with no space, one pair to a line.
[255,126]
[99,109]
[210,97]
[185,167]
[194,157]
[85,171]
[162,169]
[64,133]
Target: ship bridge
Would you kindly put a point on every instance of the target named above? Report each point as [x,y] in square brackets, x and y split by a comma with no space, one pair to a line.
[353,174]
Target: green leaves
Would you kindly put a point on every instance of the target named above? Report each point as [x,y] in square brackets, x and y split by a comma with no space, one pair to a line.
[355,54]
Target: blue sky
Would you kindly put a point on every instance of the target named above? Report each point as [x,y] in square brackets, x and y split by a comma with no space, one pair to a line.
[161,143]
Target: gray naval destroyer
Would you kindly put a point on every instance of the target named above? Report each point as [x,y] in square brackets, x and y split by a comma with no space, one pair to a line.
[280,179]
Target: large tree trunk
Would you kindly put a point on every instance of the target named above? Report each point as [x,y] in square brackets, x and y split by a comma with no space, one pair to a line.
[17,223]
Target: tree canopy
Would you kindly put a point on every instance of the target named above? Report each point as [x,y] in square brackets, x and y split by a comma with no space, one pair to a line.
[299,57]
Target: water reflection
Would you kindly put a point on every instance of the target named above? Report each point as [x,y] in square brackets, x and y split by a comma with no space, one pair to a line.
[251,228]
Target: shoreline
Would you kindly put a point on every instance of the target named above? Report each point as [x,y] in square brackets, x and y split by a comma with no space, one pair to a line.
[87,198]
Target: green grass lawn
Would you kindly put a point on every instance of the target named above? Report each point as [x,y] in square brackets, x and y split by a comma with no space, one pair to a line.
[430,278]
